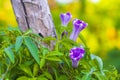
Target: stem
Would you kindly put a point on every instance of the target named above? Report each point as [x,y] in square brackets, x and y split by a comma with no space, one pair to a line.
[84,42]
[3,76]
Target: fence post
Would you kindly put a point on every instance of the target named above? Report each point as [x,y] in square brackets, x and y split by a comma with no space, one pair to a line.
[34,14]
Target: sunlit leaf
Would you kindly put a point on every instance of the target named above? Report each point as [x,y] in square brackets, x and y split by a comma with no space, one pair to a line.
[48,75]
[55,53]
[98,61]
[83,40]
[28,32]
[41,78]
[23,78]
[86,77]
[67,61]
[62,77]
[55,72]
[35,69]
[26,69]
[53,58]
[10,54]
[48,38]
[45,51]
[32,48]
[42,62]
[18,42]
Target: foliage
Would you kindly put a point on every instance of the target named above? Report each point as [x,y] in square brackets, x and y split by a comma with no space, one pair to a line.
[28,56]
[103,17]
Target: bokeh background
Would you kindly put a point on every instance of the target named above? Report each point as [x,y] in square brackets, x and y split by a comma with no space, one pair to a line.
[103,16]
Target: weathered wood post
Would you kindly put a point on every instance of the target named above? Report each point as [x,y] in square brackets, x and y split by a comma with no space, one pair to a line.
[34,14]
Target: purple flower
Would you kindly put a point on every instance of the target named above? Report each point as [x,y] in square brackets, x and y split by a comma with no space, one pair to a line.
[65,18]
[78,26]
[76,54]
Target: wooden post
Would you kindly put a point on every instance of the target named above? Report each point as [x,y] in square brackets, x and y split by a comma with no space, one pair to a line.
[34,14]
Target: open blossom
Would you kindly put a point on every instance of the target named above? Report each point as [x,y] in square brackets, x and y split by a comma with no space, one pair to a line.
[76,54]
[78,26]
[65,18]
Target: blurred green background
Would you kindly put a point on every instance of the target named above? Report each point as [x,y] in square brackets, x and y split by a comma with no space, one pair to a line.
[103,16]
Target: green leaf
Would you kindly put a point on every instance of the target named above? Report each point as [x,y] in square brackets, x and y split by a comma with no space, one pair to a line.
[48,75]
[48,38]
[57,46]
[10,54]
[55,73]
[32,48]
[23,78]
[53,58]
[10,28]
[35,69]
[69,41]
[86,77]
[55,53]
[98,61]
[100,76]
[67,46]
[44,51]
[83,40]
[78,77]
[18,43]
[62,77]
[28,32]
[2,32]
[41,78]
[66,60]
[26,69]
[42,62]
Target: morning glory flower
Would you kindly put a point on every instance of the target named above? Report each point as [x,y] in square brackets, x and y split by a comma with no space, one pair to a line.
[78,26]
[65,18]
[76,54]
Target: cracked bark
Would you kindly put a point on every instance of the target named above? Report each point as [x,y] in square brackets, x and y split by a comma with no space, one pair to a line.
[34,14]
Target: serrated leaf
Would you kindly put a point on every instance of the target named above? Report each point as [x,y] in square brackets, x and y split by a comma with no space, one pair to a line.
[53,58]
[42,62]
[32,48]
[18,43]
[10,54]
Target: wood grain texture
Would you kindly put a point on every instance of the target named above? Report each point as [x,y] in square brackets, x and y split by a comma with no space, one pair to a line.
[20,14]
[34,14]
